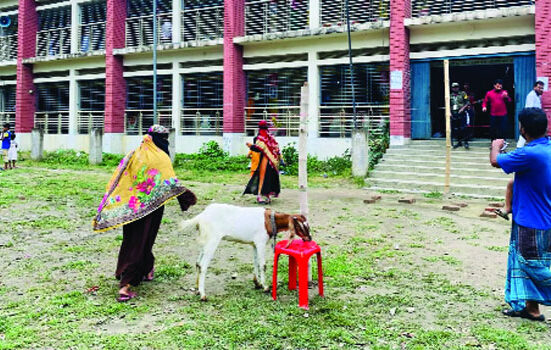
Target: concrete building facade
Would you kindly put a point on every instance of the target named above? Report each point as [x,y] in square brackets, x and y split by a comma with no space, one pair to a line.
[223,65]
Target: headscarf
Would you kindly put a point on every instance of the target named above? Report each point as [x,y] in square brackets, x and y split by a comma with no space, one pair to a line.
[159,134]
[143,182]
[268,144]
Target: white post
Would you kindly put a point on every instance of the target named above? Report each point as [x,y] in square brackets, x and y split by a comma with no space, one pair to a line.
[176,97]
[313,99]
[176,21]
[75,22]
[73,102]
[314,13]
[303,151]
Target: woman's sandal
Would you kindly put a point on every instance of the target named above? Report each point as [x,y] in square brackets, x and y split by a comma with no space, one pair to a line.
[149,277]
[501,213]
[523,314]
[125,297]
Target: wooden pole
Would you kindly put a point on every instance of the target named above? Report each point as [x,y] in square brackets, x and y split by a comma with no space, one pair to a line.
[303,159]
[448,125]
[302,151]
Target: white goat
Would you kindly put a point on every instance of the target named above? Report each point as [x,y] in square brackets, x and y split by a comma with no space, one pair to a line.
[244,225]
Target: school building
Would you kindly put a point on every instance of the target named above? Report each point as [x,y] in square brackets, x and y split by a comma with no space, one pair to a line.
[223,65]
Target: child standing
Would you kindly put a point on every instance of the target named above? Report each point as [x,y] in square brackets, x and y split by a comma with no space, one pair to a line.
[12,152]
[6,142]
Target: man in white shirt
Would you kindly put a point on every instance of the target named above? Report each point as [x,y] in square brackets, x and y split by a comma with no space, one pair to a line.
[533,100]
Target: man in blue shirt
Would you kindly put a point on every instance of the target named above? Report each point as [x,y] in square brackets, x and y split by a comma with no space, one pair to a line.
[6,140]
[528,281]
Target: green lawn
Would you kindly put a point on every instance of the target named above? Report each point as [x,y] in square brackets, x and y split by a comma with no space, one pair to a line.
[396,276]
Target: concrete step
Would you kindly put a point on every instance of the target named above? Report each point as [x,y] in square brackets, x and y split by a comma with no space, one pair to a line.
[436,163]
[472,152]
[419,191]
[439,177]
[437,186]
[455,169]
[455,158]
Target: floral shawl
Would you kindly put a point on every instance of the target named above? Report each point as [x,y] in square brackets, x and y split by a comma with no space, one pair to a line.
[268,145]
[143,181]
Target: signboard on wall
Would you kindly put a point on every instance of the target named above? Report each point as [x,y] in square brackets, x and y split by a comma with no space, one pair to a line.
[396,80]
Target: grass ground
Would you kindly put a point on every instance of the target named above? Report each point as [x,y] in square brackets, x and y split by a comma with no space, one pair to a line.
[397,276]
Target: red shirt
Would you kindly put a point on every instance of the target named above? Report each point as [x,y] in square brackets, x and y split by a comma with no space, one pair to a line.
[497,100]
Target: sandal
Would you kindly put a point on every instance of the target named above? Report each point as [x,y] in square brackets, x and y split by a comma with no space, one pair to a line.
[149,277]
[523,314]
[125,297]
[502,214]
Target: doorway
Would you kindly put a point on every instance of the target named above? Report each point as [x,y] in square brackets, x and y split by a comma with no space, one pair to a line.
[480,74]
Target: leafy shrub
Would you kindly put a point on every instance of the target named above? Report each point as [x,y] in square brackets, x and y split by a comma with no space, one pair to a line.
[378,144]
[338,165]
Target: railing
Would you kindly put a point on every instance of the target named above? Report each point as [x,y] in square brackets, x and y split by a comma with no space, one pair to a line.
[53,42]
[8,47]
[285,120]
[91,36]
[7,117]
[333,13]
[269,16]
[139,30]
[52,122]
[137,121]
[88,120]
[202,121]
[206,23]
[337,121]
[421,8]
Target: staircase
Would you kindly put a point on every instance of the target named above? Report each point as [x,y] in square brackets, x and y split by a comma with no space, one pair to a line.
[420,167]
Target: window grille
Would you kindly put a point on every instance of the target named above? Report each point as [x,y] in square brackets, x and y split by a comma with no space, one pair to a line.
[139,22]
[270,16]
[92,27]
[52,108]
[421,8]
[54,35]
[8,40]
[7,104]
[202,112]
[202,20]
[333,13]
[274,95]
[372,90]
[139,103]
[91,105]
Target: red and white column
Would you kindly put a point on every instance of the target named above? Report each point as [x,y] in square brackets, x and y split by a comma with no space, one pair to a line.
[543,52]
[25,92]
[400,71]
[115,85]
[234,76]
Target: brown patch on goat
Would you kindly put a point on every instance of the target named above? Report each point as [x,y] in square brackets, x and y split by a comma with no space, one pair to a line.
[295,224]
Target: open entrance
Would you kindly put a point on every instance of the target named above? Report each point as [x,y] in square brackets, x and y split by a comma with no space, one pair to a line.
[480,75]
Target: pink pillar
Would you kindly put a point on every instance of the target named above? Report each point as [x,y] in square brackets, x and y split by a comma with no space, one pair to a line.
[234,76]
[115,85]
[26,36]
[543,52]
[400,111]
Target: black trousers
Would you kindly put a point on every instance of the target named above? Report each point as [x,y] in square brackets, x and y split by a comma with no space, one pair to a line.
[459,127]
[498,127]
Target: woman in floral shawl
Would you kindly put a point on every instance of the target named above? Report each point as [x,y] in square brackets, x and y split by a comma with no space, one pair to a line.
[265,180]
[135,196]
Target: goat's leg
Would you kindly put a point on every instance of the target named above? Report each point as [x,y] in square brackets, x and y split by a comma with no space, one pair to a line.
[261,261]
[206,257]
[256,277]
[198,270]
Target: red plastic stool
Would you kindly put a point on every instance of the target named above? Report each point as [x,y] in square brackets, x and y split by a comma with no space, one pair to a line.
[299,254]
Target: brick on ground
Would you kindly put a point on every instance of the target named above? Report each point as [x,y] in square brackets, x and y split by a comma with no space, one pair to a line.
[407,200]
[496,204]
[488,214]
[451,207]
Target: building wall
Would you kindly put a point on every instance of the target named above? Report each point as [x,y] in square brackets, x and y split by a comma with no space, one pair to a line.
[321,42]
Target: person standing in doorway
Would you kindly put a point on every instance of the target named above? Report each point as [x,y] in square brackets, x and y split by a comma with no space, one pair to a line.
[459,101]
[528,282]
[533,100]
[496,102]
